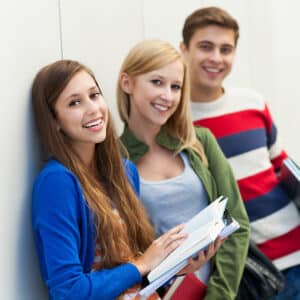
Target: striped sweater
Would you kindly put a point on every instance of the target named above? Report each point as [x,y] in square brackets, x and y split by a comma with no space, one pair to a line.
[244,128]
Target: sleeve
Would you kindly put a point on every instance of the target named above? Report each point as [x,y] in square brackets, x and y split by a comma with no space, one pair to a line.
[276,153]
[230,259]
[59,226]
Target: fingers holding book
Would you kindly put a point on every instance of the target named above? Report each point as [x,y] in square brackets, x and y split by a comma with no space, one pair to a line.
[159,249]
[202,257]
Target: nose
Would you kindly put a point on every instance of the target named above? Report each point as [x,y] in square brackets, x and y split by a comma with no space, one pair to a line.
[216,55]
[92,106]
[166,94]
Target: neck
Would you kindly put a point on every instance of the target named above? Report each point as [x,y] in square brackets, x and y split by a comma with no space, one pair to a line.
[146,134]
[86,153]
[205,94]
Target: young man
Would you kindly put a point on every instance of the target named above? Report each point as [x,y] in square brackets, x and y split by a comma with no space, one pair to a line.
[241,121]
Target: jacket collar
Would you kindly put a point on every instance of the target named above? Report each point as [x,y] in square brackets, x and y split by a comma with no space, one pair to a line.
[137,148]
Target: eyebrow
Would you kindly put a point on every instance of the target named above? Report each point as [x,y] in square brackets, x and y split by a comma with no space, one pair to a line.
[93,88]
[162,77]
[211,43]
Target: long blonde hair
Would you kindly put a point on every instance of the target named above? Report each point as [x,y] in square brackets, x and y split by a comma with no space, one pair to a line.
[150,55]
[118,243]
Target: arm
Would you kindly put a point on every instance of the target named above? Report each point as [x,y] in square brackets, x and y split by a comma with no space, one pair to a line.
[230,259]
[60,223]
[132,175]
[276,153]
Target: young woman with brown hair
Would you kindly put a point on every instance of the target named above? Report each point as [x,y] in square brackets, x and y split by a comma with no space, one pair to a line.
[93,237]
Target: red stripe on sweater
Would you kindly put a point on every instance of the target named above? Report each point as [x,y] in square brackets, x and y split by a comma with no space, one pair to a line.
[258,184]
[234,122]
[277,161]
[282,245]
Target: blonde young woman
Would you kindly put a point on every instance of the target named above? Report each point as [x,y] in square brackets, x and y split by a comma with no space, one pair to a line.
[182,169]
[92,235]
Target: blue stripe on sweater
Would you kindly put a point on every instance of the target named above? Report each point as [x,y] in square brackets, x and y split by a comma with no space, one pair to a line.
[272,136]
[266,204]
[239,143]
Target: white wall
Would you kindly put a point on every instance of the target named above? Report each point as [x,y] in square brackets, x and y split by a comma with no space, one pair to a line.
[100,33]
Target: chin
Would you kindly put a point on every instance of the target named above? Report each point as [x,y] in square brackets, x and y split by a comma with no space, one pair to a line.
[101,139]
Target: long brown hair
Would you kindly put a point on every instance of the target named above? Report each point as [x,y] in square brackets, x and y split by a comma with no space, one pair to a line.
[150,55]
[110,188]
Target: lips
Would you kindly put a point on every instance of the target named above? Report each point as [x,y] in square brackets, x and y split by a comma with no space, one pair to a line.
[93,123]
[212,70]
[160,107]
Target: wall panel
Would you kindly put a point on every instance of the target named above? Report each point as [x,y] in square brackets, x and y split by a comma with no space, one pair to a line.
[29,39]
[100,35]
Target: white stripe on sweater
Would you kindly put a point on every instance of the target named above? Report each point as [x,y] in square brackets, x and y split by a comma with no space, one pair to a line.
[276,149]
[287,261]
[234,100]
[276,224]
[243,165]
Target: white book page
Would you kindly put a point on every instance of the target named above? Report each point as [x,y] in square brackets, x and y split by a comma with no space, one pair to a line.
[202,229]
[153,286]
[213,211]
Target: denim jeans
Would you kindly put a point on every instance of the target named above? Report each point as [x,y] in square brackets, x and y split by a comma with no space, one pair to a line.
[291,290]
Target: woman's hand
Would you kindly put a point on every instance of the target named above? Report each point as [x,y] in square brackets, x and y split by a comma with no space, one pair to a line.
[159,249]
[202,257]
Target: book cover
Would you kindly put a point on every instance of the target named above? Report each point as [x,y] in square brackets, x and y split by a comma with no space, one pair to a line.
[290,178]
[186,287]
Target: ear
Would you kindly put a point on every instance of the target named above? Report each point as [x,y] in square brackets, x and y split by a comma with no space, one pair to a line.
[184,50]
[126,83]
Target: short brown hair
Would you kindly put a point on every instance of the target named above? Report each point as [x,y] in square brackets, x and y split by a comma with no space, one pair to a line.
[208,16]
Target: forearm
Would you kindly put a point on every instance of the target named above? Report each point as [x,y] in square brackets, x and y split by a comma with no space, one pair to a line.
[106,284]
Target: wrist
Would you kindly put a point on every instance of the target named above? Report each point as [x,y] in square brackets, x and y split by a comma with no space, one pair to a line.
[142,267]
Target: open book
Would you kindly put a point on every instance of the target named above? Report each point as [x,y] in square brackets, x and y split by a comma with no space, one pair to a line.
[290,175]
[202,229]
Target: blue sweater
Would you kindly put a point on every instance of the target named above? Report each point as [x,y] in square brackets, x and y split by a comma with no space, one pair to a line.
[64,237]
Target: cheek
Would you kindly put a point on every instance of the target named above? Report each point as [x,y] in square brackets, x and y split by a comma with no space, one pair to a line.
[69,120]
[229,61]
[177,101]
[104,109]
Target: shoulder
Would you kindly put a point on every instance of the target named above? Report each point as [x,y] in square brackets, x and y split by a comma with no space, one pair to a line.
[129,166]
[203,134]
[56,187]
[211,147]
[245,98]
[132,175]
[55,172]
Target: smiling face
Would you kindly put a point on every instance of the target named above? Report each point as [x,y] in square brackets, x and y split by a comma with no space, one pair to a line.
[154,96]
[81,112]
[210,56]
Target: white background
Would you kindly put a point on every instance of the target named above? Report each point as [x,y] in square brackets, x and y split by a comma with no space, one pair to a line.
[100,33]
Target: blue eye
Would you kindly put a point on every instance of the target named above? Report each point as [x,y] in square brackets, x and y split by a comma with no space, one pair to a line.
[156,81]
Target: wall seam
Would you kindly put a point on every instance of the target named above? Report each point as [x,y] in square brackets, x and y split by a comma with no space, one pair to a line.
[60,30]
[143,19]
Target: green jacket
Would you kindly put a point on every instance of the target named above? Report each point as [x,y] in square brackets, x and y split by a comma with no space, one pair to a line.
[218,179]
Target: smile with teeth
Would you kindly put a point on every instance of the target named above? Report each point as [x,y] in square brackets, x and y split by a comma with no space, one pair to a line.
[212,70]
[160,107]
[94,123]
